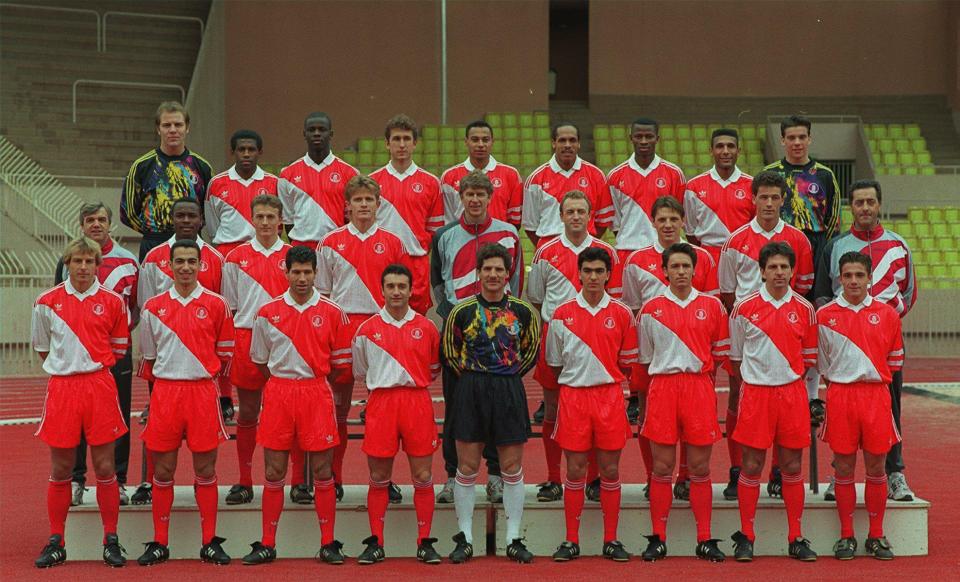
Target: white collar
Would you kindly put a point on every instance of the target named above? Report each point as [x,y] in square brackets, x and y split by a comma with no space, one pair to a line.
[755,226]
[555,166]
[632,161]
[491,164]
[200,242]
[668,293]
[387,318]
[258,174]
[314,299]
[777,303]
[842,302]
[71,290]
[724,183]
[318,167]
[576,249]
[277,245]
[402,176]
[361,235]
[197,291]
[604,301]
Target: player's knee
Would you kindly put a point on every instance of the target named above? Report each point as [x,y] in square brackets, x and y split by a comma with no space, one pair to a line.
[844,465]
[103,468]
[874,464]
[791,465]
[609,471]
[205,466]
[576,468]
[274,473]
[470,467]
[663,467]
[322,471]
[751,465]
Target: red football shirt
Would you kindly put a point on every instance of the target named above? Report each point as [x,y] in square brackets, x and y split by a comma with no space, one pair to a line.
[633,190]
[252,276]
[227,209]
[156,276]
[507,191]
[644,279]
[312,196]
[555,277]
[859,343]
[350,264]
[388,353]
[739,269]
[411,206]
[683,337]
[544,190]
[715,207]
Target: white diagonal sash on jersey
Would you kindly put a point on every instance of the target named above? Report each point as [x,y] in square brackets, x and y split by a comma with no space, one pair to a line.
[711,229]
[763,362]
[636,231]
[559,289]
[118,273]
[186,367]
[72,357]
[251,296]
[666,341]
[589,371]
[389,218]
[310,220]
[383,367]
[844,361]
[358,298]
[283,350]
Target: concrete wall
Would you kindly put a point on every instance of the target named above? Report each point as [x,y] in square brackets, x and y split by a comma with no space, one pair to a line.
[206,99]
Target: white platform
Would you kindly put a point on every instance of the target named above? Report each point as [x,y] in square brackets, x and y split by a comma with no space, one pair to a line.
[543,525]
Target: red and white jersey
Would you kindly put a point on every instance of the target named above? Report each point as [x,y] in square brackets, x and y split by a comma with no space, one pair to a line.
[715,207]
[156,276]
[544,190]
[683,337]
[188,338]
[644,279]
[350,264]
[633,190]
[593,345]
[774,339]
[507,196]
[411,206]
[554,276]
[118,272]
[301,341]
[312,196]
[227,209]
[79,332]
[253,275]
[739,270]
[859,343]
[390,353]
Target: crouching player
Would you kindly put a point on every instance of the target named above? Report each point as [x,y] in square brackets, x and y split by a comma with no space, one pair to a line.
[298,341]
[591,342]
[397,352]
[773,342]
[80,331]
[860,346]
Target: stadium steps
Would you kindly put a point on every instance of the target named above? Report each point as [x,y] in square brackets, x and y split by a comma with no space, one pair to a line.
[543,525]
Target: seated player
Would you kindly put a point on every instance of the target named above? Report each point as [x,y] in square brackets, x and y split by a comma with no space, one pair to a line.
[683,338]
[860,346]
[298,342]
[397,353]
[186,338]
[773,341]
[592,345]
[79,330]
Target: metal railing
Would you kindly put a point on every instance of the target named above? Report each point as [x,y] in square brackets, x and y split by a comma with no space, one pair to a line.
[196,19]
[96,15]
[109,83]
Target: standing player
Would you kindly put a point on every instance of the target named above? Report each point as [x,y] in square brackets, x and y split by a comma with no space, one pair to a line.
[186,338]
[637,183]
[490,341]
[453,276]
[566,171]
[253,274]
[311,188]
[592,344]
[555,279]
[773,341]
[350,263]
[739,276]
[227,209]
[298,342]
[718,202]
[507,198]
[894,282]
[79,329]
[683,339]
[411,205]
[397,353]
[117,271]
[860,346]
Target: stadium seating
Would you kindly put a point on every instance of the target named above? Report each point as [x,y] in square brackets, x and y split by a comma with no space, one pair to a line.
[898,149]
[933,234]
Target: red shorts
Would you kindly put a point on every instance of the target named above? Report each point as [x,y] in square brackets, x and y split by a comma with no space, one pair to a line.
[298,409]
[420,294]
[639,379]
[859,417]
[244,374]
[400,414]
[773,414]
[542,372]
[593,417]
[81,404]
[681,407]
[184,409]
[225,248]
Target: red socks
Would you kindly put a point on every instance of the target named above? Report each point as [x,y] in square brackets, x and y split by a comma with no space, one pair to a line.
[205,491]
[551,451]
[378,496]
[325,502]
[610,506]
[793,498]
[108,500]
[661,499]
[573,496]
[423,503]
[875,498]
[297,459]
[272,507]
[846,502]
[340,450]
[58,504]
[748,494]
[246,444]
[733,447]
[162,503]
[646,453]
[701,502]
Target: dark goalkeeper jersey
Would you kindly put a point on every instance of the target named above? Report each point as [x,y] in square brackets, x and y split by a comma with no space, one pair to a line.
[500,338]
[812,203]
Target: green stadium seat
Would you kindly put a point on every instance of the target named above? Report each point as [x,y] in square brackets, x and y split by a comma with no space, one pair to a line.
[895,131]
[541,133]
[952,215]
[365,144]
[669,147]
[922,229]
[874,147]
[907,158]
[910,170]
[494,119]
[701,146]
[688,160]
[754,146]
[935,214]
[928,244]
[601,133]
[511,133]
[447,133]
[528,146]
[886,145]
[748,132]
[755,159]
[699,132]
[543,149]
[430,132]
[713,127]
[938,271]
[902,146]
[603,147]
[668,132]
[509,120]
[529,159]
[923,271]
[685,146]
[953,264]
[621,148]
[946,243]
[605,160]
[894,170]
[365,158]
[917,214]
[526,120]
[880,171]
[878,130]
[618,132]
[512,147]
[927,170]
[919,145]
[889,159]
[461,148]
[904,229]
[868,131]
[912,131]
[541,119]
[526,133]
[431,147]
[347,156]
[448,147]
[704,160]
[923,158]
[762,131]
[684,132]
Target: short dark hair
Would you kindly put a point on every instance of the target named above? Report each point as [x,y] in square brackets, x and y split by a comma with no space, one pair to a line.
[856,257]
[666,202]
[179,201]
[478,123]
[725,131]
[402,122]
[774,248]
[863,185]
[245,134]
[396,269]
[769,178]
[680,247]
[184,243]
[301,255]
[557,126]
[795,121]
[318,115]
[646,121]
[269,200]
[493,251]
[594,254]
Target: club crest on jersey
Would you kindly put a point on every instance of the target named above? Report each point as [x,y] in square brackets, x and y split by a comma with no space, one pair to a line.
[700,314]
[281,264]
[497,182]
[98,309]
[201,313]
[379,248]
[661,183]
[335,177]
[813,188]
[583,182]
[262,191]
[417,333]
[204,266]
[874,319]
[417,187]
[740,194]
[609,323]
[792,317]
[317,321]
